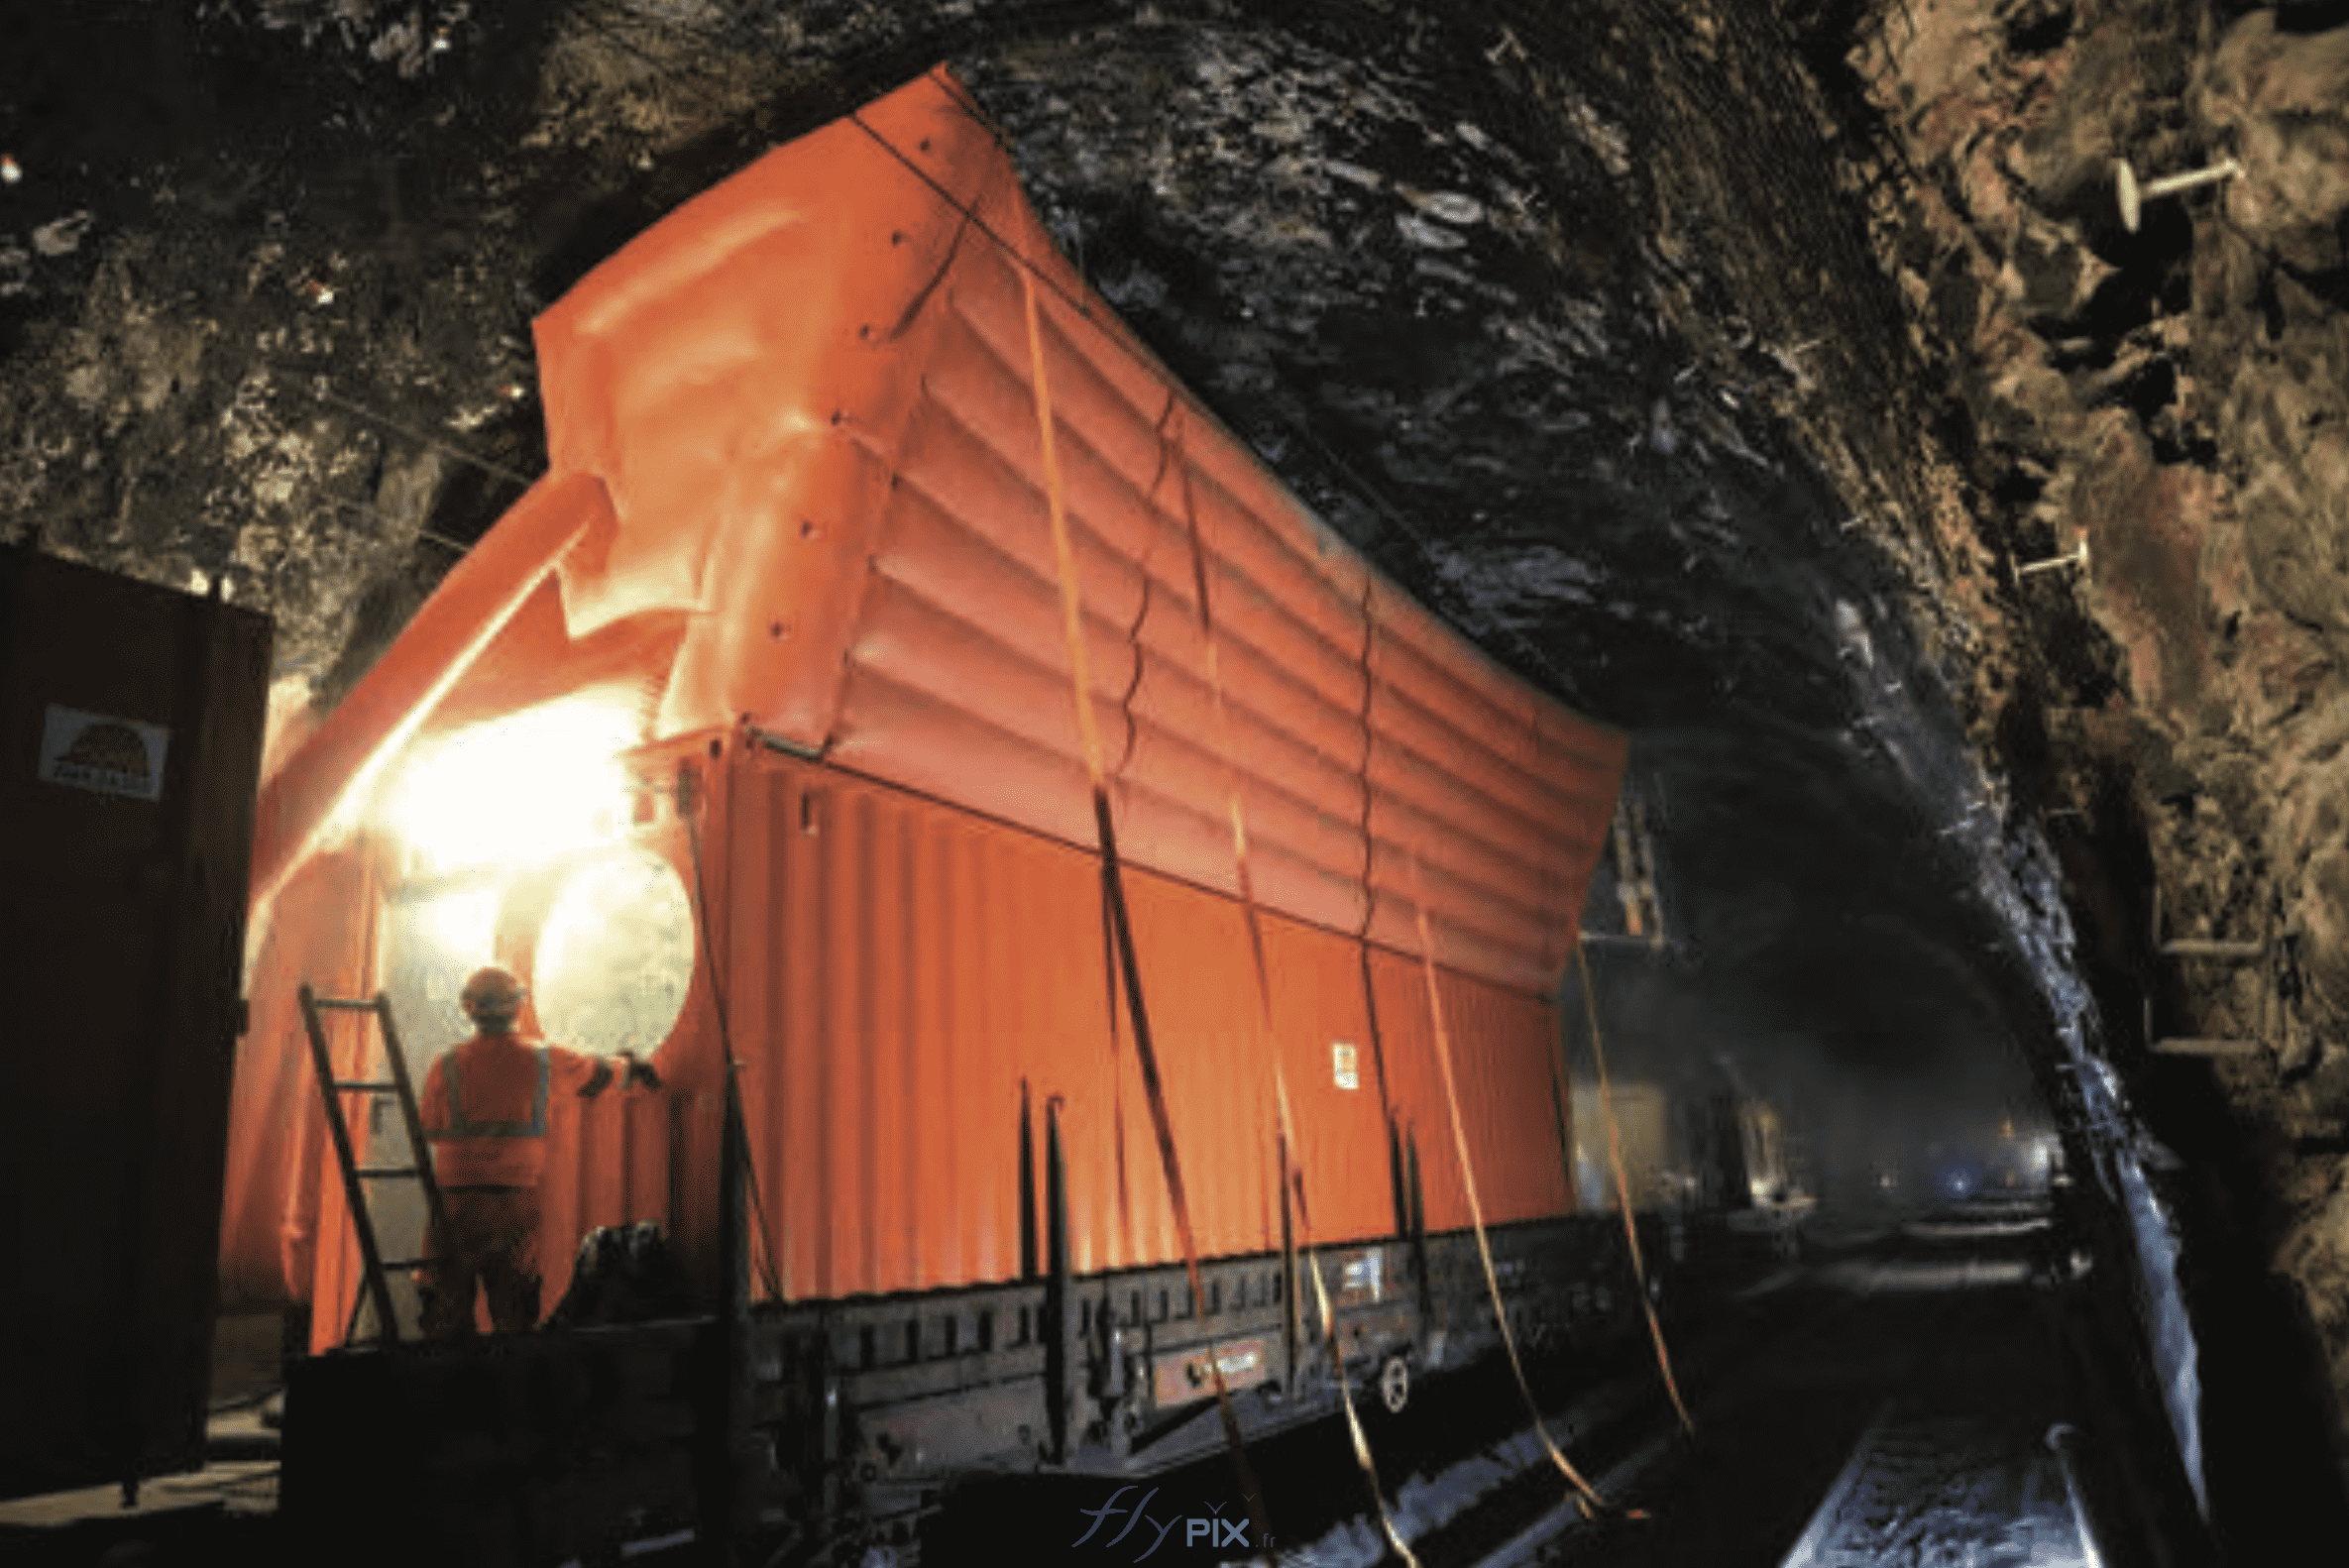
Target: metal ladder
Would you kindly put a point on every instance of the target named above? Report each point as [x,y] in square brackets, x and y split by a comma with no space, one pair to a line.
[331,1089]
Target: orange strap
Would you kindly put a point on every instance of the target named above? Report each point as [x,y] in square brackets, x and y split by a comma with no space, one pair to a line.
[1268,1037]
[1623,1189]
[1113,890]
[1590,1500]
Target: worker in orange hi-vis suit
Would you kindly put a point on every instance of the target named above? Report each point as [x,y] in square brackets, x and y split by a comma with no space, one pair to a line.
[484,1113]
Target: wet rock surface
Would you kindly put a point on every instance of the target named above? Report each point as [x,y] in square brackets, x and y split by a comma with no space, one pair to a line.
[1742,374]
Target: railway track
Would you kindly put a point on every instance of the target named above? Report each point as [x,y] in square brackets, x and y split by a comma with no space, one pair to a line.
[1804,1439]
[1934,1490]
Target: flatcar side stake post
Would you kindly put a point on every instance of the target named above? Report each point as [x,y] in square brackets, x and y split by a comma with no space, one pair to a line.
[1289,1280]
[728,1420]
[1062,1354]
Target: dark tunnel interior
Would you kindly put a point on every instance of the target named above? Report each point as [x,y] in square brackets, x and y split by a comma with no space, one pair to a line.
[1777,384]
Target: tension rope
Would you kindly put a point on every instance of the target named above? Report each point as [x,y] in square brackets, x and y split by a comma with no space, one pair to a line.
[1622,1190]
[1113,891]
[1588,1498]
[1267,1037]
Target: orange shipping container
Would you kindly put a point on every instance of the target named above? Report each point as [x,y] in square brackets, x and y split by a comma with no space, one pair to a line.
[752,725]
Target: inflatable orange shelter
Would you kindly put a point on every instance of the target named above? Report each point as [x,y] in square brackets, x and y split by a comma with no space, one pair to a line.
[751,727]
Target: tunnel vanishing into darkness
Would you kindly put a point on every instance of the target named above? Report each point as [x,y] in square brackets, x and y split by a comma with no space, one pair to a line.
[1776,381]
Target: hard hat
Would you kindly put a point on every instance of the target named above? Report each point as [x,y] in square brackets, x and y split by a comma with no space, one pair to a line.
[492,992]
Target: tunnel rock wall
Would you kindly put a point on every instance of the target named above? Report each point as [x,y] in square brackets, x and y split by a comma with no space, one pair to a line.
[2176,400]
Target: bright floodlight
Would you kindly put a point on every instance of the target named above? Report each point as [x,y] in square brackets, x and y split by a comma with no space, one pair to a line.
[516,791]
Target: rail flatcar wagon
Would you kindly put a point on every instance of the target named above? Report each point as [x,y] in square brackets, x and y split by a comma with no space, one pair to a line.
[753,734]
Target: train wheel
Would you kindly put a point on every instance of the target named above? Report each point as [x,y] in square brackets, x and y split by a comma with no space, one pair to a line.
[1394,1385]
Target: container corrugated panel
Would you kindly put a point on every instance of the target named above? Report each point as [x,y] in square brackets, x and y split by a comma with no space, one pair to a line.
[887,999]
[906,978]
[1319,1007]
[903,979]
[918,974]
[1501,1051]
[131,722]
[616,1172]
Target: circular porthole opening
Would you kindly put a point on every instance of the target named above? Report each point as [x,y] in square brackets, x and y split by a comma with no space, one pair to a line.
[616,954]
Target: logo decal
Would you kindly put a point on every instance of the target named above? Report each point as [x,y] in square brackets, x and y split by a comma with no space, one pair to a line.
[111,756]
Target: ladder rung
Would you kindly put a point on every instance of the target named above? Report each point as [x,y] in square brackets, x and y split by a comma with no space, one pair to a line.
[390,1264]
[383,1172]
[2200,947]
[2188,1047]
[343,1004]
[366,1085]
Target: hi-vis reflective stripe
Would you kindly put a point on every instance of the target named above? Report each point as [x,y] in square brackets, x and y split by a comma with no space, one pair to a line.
[460,1127]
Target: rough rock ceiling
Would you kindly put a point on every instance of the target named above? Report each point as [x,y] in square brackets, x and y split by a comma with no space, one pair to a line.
[1543,326]
[1712,364]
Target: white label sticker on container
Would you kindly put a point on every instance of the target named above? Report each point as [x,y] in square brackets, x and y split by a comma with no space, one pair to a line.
[1341,1064]
[113,756]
